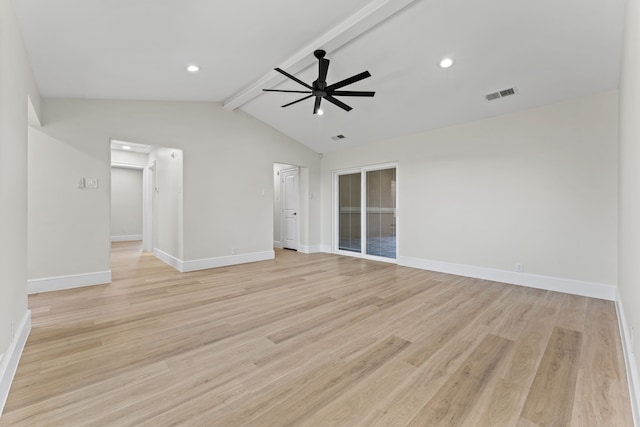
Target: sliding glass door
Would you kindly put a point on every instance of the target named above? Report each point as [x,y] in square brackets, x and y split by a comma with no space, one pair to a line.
[366,212]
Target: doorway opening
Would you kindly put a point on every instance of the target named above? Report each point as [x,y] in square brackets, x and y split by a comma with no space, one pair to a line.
[146,197]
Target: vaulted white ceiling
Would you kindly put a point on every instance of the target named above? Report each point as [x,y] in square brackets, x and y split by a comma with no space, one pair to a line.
[550,50]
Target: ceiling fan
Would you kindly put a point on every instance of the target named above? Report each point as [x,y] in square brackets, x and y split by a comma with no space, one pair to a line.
[319,88]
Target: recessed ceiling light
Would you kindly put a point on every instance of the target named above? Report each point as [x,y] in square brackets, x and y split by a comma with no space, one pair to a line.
[126,147]
[320,112]
[193,68]
[446,63]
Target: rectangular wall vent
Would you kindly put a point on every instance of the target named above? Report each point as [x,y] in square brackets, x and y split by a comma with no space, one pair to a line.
[338,137]
[501,94]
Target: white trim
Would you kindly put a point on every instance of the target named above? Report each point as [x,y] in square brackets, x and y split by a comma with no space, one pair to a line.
[629,359]
[366,256]
[223,261]
[310,249]
[326,249]
[568,286]
[277,245]
[148,192]
[204,264]
[168,259]
[124,165]
[47,284]
[9,363]
[126,238]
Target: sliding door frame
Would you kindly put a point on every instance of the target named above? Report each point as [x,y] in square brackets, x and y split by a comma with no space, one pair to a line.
[363,211]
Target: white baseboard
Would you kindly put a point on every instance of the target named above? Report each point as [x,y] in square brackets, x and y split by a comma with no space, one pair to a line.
[568,286]
[277,245]
[126,238]
[309,249]
[168,259]
[9,363]
[203,264]
[630,360]
[326,249]
[58,283]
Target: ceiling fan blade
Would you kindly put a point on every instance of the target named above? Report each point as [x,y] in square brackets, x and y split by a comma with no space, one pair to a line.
[323,67]
[288,91]
[293,78]
[351,93]
[348,81]
[340,104]
[295,102]
[316,106]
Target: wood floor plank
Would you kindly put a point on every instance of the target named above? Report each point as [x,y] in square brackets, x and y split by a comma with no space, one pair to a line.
[573,313]
[453,402]
[314,339]
[521,365]
[500,407]
[601,390]
[312,392]
[551,396]
[465,314]
[411,396]
[358,404]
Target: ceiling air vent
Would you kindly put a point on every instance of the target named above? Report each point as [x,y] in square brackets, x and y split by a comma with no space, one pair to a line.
[501,94]
[338,137]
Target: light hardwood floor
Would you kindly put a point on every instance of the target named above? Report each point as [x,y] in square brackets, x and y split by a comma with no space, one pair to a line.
[312,340]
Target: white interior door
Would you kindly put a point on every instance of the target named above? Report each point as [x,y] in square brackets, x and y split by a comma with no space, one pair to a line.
[290,196]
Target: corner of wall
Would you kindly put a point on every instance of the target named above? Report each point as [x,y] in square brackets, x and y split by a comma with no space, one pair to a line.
[9,363]
[629,359]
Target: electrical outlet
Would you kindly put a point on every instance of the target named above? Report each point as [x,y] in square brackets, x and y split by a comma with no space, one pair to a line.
[519,267]
[233,251]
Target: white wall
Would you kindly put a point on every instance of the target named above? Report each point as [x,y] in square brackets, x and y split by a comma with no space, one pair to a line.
[68,235]
[16,84]
[227,188]
[169,204]
[537,187]
[126,204]
[629,203]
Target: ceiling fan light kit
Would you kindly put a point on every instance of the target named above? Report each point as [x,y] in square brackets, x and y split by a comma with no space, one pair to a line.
[319,88]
